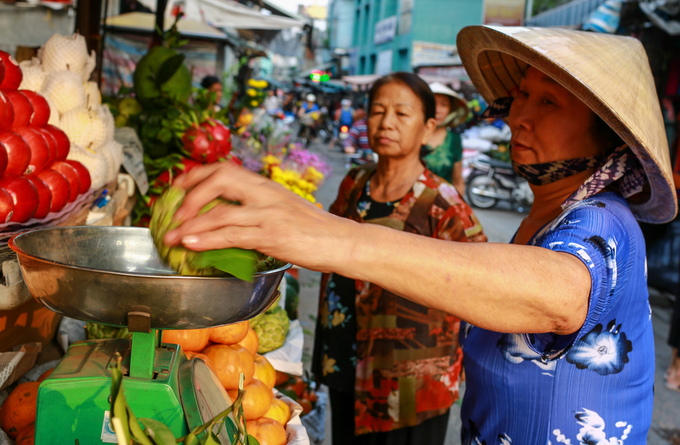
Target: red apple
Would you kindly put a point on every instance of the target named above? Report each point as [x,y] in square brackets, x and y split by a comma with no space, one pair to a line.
[58,185]
[6,112]
[44,197]
[40,151]
[63,143]
[3,160]
[23,110]
[24,196]
[41,109]
[6,206]
[83,173]
[13,74]
[71,174]
[18,154]
[51,145]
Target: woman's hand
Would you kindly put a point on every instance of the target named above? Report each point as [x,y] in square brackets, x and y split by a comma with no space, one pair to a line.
[270,219]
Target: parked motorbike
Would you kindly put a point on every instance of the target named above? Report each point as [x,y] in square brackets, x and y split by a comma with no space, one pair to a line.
[491,181]
[361,157]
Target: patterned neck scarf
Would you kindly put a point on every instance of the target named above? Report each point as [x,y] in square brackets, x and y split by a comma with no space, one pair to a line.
[548,172]
[621,166]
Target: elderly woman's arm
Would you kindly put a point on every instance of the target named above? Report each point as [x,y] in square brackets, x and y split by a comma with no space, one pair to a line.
[506,288]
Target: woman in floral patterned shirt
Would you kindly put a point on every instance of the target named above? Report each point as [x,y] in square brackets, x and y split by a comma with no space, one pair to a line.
[392,365]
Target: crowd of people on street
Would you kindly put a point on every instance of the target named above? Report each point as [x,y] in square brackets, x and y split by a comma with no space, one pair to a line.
[553,330]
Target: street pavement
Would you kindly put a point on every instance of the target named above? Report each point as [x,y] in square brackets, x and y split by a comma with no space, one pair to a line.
[499,225]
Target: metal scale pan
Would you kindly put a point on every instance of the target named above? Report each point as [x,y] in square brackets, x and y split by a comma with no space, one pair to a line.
[104,274]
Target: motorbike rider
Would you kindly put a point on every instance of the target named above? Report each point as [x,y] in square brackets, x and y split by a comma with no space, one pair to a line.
[307,113]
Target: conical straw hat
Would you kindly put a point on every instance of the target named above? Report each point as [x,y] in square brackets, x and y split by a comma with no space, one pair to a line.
[459,109]
[610,74]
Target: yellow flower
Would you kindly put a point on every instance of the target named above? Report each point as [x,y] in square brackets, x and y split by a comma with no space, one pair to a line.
[250,92]
[328,365]
[338,318]
[252,83]
[253,103]
[271,160]
[264,84]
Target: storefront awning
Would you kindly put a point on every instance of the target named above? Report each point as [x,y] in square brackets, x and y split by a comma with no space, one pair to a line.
[230,14]
[146,22]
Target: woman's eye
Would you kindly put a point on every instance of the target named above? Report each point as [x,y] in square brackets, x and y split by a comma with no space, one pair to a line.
[547,101]
[523,93]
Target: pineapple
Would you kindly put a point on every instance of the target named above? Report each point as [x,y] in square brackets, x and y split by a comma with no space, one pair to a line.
[66,89]
[237,262]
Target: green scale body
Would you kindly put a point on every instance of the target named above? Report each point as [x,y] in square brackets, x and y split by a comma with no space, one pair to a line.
[74,399]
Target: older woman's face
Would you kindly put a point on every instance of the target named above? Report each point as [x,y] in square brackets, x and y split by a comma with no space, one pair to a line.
[443,107]
[549,123]
[396,122]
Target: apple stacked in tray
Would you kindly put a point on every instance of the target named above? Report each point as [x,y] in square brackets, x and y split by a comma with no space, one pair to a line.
[36,177]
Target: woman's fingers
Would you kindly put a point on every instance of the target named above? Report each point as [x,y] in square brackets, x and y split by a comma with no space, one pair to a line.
[225,237]
[196,175]
[220,216]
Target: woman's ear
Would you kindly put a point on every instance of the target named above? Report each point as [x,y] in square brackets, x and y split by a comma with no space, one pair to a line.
[430,126]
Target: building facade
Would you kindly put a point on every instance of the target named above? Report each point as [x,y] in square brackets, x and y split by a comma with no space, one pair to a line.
[400,35]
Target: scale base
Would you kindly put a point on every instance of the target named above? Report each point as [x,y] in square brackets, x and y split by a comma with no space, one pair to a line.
[74,400]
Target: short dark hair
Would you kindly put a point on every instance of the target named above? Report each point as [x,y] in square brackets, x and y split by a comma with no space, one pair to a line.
[604,136]
[209,81]
[419,87]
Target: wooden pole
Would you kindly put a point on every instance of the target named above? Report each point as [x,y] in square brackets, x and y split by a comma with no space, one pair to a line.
[88,22]
[161,5]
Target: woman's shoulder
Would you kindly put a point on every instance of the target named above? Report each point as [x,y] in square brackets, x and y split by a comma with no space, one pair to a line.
[605,213]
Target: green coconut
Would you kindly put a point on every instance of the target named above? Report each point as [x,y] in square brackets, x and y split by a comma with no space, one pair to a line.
[162,70]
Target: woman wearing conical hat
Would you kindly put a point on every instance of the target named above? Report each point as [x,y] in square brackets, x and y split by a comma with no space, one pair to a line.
[558,343]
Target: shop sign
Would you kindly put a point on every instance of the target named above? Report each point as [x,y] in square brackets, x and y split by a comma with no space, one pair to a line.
[429,53]
[503,12]
[385,30]
[452,72]
[384,62]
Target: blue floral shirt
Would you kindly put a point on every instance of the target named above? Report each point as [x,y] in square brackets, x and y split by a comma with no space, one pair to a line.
[593,387]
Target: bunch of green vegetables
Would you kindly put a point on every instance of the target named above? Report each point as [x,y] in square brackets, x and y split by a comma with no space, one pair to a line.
[152,432]
[240,263]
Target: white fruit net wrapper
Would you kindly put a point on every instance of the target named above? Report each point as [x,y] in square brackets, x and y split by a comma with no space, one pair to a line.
[15,364]
[295,430]
[288,358]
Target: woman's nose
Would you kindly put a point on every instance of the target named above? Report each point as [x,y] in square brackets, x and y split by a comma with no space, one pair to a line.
[389,119]
[522,115]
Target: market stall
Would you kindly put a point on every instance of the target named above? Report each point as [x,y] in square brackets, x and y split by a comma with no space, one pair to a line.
[105,331]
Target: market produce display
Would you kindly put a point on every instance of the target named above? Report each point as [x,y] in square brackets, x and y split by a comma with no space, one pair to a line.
[61,74]
[36,176]
[230,352]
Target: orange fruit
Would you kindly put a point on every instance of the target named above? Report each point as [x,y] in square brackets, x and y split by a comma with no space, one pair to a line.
[188,339]
[250,342]
[229,361]
[281,378]
[279,411]
[191,354]
[256,400]
[18,411]
[267,431]
[306,405]
[44,375]
[229,334]
[26,436]
[264,371]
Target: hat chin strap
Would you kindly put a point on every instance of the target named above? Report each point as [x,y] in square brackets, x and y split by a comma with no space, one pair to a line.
[450,118]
